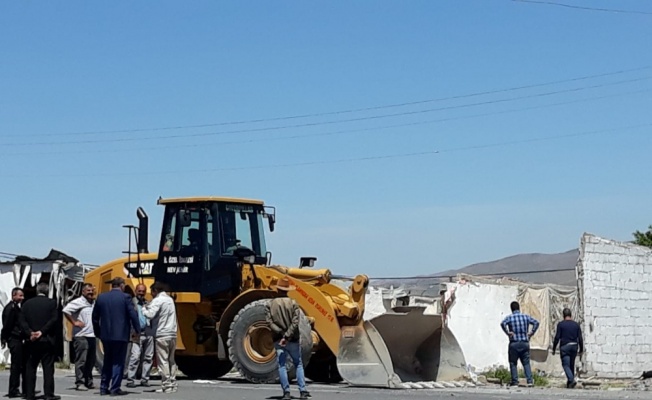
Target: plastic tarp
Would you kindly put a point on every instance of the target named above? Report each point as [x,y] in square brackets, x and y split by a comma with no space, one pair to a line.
[546,304]
[536,303]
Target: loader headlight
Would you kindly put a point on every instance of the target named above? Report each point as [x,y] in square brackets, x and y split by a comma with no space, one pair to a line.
[250,259]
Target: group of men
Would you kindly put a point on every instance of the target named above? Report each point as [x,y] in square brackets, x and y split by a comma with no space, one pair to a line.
[568,335]
[115,318]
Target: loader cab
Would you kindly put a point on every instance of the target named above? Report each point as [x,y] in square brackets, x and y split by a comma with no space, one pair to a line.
[198,241]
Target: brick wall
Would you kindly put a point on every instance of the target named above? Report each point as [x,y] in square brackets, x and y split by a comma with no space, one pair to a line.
[615,283]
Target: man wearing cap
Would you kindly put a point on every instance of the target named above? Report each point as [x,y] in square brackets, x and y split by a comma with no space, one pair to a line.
[283,315]
[113,317]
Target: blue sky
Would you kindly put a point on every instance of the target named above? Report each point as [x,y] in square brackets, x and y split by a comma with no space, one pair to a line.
[518,170]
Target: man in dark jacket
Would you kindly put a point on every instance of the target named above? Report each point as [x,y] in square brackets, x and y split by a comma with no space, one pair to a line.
[13,337]
[569,334]
[113,317]
[38,320]
[283,317]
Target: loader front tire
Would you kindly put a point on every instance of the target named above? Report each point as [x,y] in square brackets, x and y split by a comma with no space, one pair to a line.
[251,346]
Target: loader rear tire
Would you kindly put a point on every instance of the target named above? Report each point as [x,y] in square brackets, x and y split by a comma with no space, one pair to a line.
[251,347]
[203,367]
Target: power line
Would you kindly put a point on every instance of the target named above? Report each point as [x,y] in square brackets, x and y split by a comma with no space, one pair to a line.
[339,112]
[8,256]
[324,134]
[354,159]
[613,10]
[312,124]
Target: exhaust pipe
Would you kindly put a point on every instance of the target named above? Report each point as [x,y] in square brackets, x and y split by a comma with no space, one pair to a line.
[143,227]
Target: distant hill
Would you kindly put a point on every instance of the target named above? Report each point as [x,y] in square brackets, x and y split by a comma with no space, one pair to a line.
[532,267]
[528,267]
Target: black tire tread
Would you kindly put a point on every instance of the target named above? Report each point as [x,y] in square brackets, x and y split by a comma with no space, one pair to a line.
[233,353]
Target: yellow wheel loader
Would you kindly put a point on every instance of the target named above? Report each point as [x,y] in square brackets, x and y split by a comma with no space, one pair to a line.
[212,254]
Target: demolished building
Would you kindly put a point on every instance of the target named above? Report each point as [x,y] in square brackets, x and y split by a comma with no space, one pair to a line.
[63,273]
[612,302]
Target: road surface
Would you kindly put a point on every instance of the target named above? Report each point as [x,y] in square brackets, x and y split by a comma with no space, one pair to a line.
[237,389]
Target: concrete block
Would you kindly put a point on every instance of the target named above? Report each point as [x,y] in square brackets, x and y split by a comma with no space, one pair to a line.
[604,248]
[608,358]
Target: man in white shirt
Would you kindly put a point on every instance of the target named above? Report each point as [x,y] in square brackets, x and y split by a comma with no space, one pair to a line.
[163,315]
[79,312]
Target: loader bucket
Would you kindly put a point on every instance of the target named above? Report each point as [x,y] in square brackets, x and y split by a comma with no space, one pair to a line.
[402,345]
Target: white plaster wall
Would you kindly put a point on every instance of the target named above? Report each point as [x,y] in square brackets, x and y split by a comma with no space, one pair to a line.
[373,306]
[616,288]
[475,319]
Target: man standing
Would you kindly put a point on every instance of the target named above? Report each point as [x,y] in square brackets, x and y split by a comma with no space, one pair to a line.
[283,317]
[569,334]
[142,347]
[12,336]
[80,314]
[38,320]
[112,316]
[162,313]
[516,326]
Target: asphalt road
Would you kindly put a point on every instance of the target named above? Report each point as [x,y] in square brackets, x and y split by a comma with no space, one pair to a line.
[233,389]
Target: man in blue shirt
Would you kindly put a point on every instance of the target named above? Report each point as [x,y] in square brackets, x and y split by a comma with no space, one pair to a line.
[569,334]
[517,326]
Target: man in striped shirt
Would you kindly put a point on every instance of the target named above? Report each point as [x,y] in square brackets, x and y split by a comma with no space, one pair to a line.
[517,327]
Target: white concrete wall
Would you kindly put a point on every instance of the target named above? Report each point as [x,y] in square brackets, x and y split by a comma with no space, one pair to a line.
[616,290]
[475,319]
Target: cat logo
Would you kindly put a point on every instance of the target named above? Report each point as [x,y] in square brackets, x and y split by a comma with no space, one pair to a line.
[145,267]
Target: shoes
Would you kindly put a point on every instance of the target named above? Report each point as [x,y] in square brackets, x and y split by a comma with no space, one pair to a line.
[305,395]
[131,385]
[166,390]
[530,384]
[144,383]
[15,395]
[81,388]
[286,396]
[118,392]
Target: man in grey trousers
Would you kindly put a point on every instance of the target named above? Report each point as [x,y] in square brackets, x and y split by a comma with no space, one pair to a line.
[162,312]
[142,348]
[79,312]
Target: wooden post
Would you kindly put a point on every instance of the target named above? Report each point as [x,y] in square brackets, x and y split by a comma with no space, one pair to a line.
[66,344]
